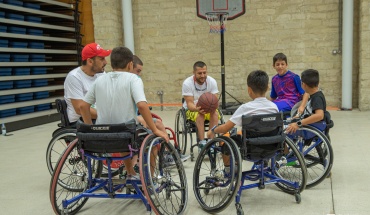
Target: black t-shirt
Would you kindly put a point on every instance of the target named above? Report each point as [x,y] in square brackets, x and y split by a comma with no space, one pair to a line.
[317,102]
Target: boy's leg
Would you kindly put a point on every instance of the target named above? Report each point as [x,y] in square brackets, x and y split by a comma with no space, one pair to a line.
[213,120]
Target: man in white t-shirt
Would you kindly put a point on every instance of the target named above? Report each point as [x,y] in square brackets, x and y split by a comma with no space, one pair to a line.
[192,88]
[79,80]
[117,95]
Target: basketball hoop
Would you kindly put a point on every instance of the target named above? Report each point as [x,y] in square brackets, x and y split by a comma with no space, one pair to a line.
[217,21]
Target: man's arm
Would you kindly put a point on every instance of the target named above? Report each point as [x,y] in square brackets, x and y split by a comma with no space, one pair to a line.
[77,105]
[191,106]
[145,113]
[85,112]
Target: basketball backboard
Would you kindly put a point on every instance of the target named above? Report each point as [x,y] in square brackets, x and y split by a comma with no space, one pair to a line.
[234,8]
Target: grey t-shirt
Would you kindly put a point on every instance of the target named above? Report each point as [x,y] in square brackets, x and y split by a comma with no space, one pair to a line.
[116,95]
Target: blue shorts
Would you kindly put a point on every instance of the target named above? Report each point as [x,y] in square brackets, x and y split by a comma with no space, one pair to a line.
[282,106]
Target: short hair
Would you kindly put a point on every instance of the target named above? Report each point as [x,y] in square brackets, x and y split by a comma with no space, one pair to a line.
[279,56]
[199,64]
[310,77]
[137,61]
[258,81]
[120,57]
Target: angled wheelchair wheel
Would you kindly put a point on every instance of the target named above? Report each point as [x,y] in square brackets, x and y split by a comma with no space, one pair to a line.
[318,154]
[183,132]
[290,165]
[57,145]
[165,187]
[213,187]
[70,179]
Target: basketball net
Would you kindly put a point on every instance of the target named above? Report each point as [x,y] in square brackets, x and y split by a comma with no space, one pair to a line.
[217,21]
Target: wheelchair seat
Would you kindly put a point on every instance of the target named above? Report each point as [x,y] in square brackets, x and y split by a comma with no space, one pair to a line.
[107,138]
[263,136]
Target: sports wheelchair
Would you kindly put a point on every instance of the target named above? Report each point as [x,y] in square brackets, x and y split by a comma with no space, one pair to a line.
[76,178]
[66,133]
[276,160]
[184,129]
[61,137]
[313,141]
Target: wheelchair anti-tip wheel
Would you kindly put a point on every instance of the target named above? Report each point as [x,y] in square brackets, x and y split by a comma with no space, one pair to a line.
[213,187]
[290,165]
[165,187]
[317,151]
[70,179]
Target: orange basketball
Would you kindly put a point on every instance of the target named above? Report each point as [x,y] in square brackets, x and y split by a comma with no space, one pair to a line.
[208,102]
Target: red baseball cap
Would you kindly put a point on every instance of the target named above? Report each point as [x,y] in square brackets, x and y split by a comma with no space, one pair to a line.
[93,49]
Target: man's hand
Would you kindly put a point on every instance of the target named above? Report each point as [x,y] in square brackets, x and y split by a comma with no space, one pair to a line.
[162,134]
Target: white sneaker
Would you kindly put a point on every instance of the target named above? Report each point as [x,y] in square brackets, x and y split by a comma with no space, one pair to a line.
[184,157]
[133,177]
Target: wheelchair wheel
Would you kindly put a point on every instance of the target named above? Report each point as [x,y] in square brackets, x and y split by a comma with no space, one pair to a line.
[57,145]
[318,154]
[165,187]
[183,133]
[70,179]
[290,165]
[213,187]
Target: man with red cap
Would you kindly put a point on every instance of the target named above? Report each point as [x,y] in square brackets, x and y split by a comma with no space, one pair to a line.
[80,79]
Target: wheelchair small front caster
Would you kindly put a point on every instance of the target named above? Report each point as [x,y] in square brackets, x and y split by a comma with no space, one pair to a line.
[297,198]
[261,186]
[239,209]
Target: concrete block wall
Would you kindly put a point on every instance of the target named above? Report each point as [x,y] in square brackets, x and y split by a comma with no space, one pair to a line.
[169,38]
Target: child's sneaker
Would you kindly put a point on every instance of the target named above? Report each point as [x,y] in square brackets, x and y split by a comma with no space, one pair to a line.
[168,159]
[133,178]
[184,157]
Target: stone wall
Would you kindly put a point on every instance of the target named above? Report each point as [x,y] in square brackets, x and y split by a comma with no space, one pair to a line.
[364,57]
[169,38]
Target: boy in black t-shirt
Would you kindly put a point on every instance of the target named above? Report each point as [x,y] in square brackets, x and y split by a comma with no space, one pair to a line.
[316,106]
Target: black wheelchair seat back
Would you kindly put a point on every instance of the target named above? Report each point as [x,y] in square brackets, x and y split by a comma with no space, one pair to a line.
[107,138]
[263,136]
[61,106]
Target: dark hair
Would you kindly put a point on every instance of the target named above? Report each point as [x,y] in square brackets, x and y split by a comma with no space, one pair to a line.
[137,61]
[310,77]
[120,57]
[84,62]
[279,56]
[258,81]
[199,64]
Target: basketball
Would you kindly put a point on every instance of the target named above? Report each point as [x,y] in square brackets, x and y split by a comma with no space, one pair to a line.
[208,102]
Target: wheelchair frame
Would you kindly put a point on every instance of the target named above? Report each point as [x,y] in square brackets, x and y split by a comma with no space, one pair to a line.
[184,129]
[73,181]
[314,144]
[283,167]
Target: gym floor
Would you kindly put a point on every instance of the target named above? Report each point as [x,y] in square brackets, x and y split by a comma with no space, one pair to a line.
[25,180]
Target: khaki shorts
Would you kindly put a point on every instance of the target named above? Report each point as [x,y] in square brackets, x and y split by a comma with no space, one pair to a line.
[192,115]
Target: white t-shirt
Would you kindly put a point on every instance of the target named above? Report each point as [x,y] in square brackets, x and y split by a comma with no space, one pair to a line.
[76,85]
[116,95]
[191,88]
[258,106]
